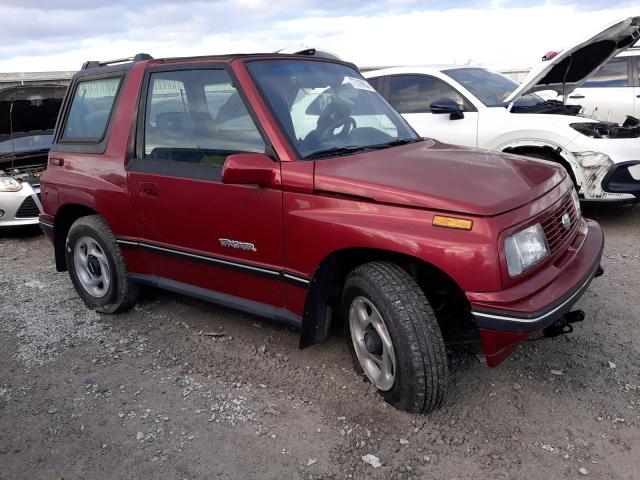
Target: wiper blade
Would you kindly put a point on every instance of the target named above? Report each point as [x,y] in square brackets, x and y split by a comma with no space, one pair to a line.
[397,142]
[335,151]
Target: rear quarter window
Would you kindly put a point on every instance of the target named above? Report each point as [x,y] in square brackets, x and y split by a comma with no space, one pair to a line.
[90,110]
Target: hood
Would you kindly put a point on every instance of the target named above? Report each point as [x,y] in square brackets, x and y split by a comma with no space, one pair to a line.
[567,70]
[28,115]
[440,177]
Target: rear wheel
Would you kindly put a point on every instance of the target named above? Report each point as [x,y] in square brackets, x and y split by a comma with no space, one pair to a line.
[97,268]
[394,336]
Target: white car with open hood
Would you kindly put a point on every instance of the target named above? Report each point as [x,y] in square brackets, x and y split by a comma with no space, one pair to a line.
[613,92]
[27,116]
[475,107]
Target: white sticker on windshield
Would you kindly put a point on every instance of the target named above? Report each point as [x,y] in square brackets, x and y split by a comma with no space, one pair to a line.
[359,83]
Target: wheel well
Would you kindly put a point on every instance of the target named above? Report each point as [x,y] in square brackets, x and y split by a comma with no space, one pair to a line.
[545,153]
[64,219]
[323,302]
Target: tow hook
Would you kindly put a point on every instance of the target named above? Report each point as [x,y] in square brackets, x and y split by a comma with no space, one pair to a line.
[563,325]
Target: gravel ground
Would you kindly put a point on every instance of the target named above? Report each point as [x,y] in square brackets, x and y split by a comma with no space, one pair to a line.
[177,388]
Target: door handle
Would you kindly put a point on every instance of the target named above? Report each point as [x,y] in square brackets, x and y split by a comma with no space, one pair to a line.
[576,96]
[148,189]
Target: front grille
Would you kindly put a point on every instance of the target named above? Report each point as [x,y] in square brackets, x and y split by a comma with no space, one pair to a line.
[28,209]
[557,234]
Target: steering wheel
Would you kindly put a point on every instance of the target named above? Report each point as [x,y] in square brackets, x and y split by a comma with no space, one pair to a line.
[335,115]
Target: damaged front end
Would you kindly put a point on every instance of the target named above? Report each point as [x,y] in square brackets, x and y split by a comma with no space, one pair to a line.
[611,166]
[629,129]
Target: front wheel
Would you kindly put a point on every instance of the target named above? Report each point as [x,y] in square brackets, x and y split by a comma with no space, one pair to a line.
[97,268]
[395,337]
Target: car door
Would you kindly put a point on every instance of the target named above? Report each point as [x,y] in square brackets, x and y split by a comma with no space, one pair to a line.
[609,94]
[196,232]
[412,94]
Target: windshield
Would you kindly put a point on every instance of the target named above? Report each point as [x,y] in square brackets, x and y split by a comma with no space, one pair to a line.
[490,88]
[328,108]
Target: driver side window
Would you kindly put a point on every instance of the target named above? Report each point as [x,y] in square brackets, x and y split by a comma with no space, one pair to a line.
[414,93]
[197,116]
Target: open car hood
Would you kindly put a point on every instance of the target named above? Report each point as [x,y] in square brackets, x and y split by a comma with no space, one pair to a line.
[570,68]
[27,117]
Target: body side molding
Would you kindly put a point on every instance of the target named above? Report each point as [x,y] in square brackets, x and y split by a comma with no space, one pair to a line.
[282,275]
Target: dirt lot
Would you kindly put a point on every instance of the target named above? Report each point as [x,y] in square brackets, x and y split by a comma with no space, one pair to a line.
[152,394]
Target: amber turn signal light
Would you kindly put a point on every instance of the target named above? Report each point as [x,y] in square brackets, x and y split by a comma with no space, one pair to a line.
[452,222]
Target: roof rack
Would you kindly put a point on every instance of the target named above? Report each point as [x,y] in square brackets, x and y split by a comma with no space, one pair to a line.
[137,58]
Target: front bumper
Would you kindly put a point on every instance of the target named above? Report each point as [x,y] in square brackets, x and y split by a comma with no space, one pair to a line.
[21,207]
[623,178]
[508,317]
[593,159]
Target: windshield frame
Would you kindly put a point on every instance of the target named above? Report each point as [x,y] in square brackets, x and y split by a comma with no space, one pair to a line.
[299,156]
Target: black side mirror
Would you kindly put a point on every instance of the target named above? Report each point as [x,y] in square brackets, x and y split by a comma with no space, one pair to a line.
[446,105]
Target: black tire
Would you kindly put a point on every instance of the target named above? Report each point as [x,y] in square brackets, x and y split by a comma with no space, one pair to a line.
[122,293]
[421,362]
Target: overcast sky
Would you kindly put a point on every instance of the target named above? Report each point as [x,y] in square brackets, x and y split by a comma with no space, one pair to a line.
[39,35]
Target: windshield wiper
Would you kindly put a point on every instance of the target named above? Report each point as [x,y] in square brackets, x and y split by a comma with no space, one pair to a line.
[336,151]
[397,142]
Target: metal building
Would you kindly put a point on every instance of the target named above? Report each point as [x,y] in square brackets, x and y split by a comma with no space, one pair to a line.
[34,78]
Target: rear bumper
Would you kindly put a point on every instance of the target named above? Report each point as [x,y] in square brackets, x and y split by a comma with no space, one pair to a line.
[504,324]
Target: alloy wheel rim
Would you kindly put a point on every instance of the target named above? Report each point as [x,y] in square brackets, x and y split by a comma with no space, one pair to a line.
[92,267]
[367,327]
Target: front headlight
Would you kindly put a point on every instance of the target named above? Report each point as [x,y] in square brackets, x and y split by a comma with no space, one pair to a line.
[592,159]
[8,184]
[525,248]
[595,167]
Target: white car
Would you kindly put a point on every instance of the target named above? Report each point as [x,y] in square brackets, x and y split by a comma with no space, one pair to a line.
[475,107]
[27,116]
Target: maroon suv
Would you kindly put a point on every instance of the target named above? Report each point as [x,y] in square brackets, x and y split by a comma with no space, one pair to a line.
[287,187]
